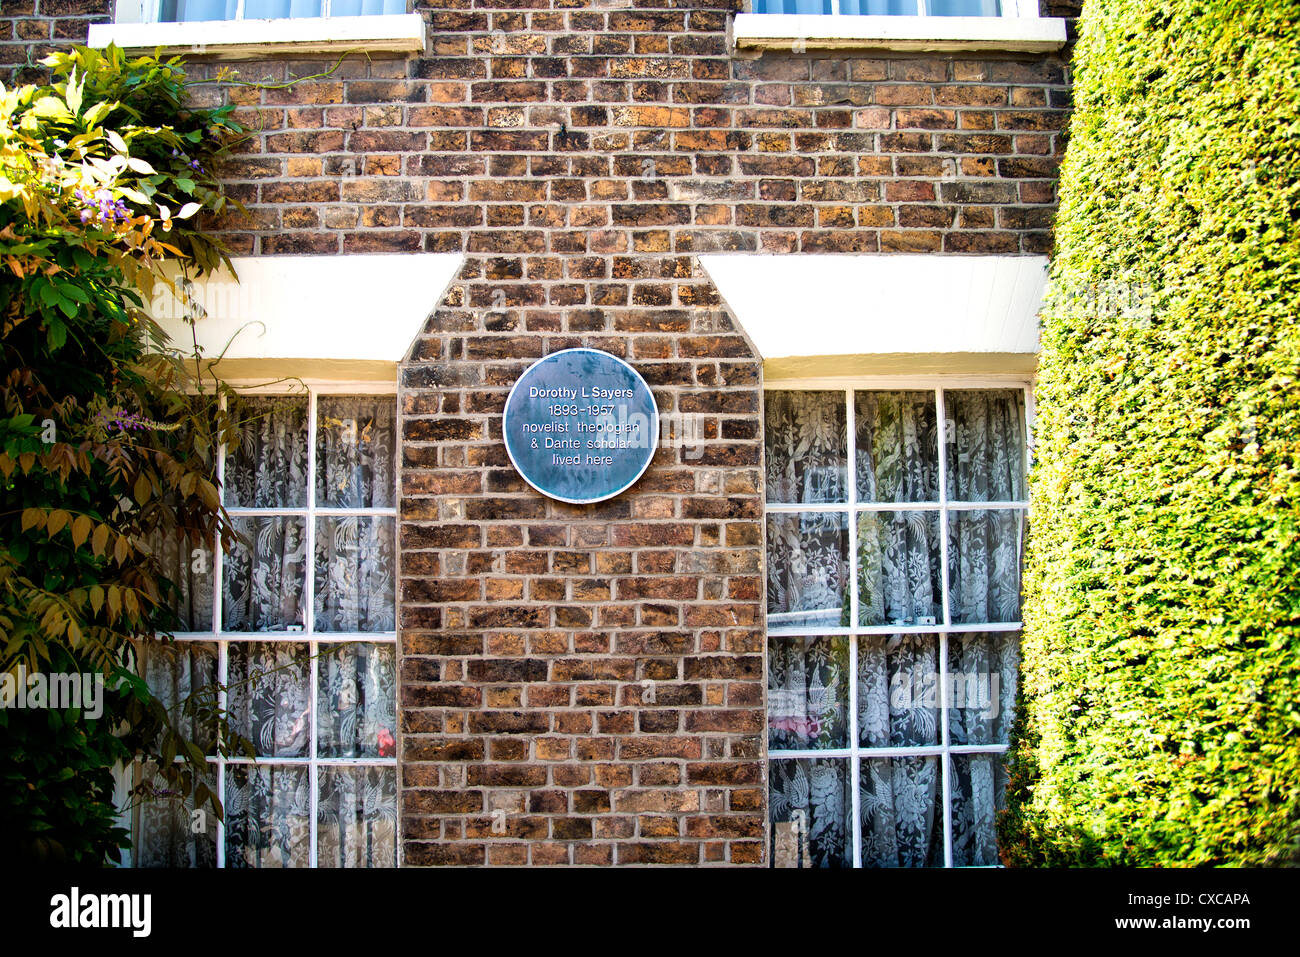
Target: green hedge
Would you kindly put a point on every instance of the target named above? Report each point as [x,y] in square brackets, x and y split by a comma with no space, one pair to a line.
[1160,717]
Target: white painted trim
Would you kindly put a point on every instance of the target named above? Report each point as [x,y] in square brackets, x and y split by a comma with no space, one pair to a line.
[874,305]
[366,307]
[398,33]
[782,31]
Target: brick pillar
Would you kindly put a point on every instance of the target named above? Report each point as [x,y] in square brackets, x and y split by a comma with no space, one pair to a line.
[529,625]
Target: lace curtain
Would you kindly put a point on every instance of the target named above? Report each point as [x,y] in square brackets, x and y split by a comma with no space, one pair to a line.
[354,452]
[270,662]
[899,556]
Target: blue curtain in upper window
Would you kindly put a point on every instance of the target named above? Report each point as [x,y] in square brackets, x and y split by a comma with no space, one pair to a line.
[882,8]
[963,8]
[366,8]
[276,9]
[793,6]
[174,11]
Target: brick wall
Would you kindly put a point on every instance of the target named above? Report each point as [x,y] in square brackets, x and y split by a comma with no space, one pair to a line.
[581,153]
[29,29]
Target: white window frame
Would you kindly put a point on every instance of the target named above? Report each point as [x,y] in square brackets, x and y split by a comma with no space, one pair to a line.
[854,754]
[136,27]
[314,389]
[1019,28]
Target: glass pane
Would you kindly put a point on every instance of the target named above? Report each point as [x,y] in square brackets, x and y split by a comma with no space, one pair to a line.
[190,568]
[352,8]
[899,575]
[269,696]
[262,581]
[172,11]
[357,701]
[963,8]
[985,549]
[811,810]
[807,568]
[354,574]
[898,696]
[898,447]
[268,816]
[805,438]
[356,816]
[979,785]
[902,818]
[167,831]
[793,6]
[354,451]
[985,445]
[983,670]
[274,9]
[807,693]
[268,469]
[183,677]
[881,8]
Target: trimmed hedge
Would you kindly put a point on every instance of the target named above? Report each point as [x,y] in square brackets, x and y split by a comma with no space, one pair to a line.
[1160,717]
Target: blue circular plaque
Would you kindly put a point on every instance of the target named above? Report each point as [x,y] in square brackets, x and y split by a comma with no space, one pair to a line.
[580,425]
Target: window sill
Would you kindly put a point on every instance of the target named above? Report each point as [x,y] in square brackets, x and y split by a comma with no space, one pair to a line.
[779,31]
[398,33]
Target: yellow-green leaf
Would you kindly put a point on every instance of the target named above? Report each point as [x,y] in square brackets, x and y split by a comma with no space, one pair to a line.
[99,540]
[81,527]
[58,519]
[143,488]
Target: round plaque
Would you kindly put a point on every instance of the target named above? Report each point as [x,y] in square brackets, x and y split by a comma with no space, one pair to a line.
[580,425]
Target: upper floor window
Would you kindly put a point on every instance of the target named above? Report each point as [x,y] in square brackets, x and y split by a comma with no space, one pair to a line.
[893,8]
[181,11]
[252,28]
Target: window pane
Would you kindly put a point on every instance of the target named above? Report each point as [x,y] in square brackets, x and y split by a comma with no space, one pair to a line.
[183,677]
[271,9]
[807,693]
[979,784]
[805,439]
[262,581]
[172,11]
[985,548]
[357,701]
[899,576]
[354,451]
[793,6]
[898,699]
[269,696]
[354,574]
[356,815]
[963,8]
[811,810]
[352,8]
[983,672]
[268,817]
[164,827]
[902,818]
[898,447]
[268,469]
[985,445]
[190,569]
[906,8]
[807,568]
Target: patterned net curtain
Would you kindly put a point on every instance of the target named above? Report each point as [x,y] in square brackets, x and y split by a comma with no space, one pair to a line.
[313,695]
[901,523]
